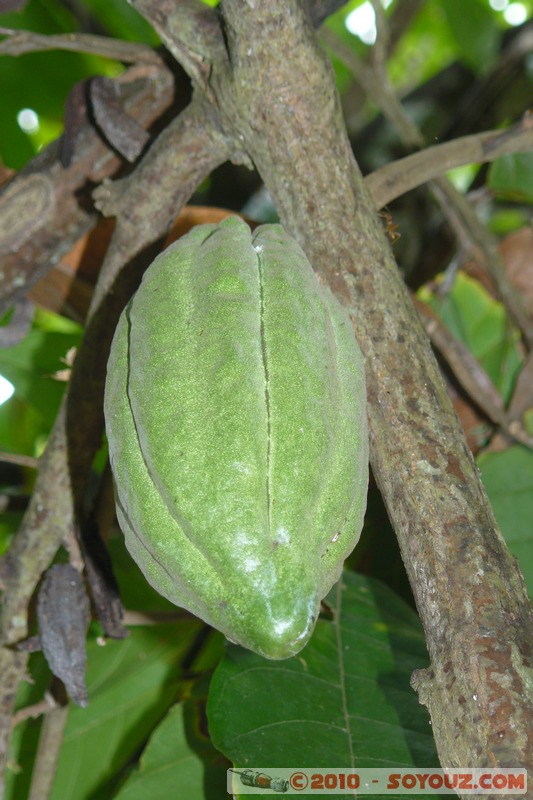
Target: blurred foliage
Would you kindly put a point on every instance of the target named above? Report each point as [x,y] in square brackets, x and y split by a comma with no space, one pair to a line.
[38,81]
[512,176]
[508,479]
[476,33]
[146,730]
[32,366]
[480,322]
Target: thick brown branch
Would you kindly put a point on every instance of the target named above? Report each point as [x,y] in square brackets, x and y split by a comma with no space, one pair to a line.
[469,592]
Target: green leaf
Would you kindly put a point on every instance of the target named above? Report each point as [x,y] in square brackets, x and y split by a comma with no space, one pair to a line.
[31,364]
[344,701]
[507,220]
[426,47]
[9,523]
[22,428]
[508,479]
[512,176]
[131,684]
[178,754]
[49,321]
[475,30]
[480,322]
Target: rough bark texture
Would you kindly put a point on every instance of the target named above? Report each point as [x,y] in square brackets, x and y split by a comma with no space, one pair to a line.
[469,592]
[47,206]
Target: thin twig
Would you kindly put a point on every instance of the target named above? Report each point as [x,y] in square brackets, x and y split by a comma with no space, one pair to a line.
[380,51]
[472,232]
[19,42]
[19,459]
[34,711]
[399,177]
[454,206]
[48,750]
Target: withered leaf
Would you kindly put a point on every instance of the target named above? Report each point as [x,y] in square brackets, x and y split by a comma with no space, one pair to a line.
[63,612]
[121,131]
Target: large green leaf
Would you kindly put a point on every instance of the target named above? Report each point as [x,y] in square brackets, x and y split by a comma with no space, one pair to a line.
[131,684]
[508,479]
[179,754]
[344,701]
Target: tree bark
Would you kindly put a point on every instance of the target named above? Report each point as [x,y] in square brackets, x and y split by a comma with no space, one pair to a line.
[285,113]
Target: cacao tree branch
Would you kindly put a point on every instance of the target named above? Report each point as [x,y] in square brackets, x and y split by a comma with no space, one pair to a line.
[469,592]
[285,114]
[190,30]
[399,177]
[18,42]
[46,207]
[455,207]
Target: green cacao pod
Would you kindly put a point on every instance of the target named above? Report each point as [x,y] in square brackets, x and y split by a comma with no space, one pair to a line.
[236,416]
